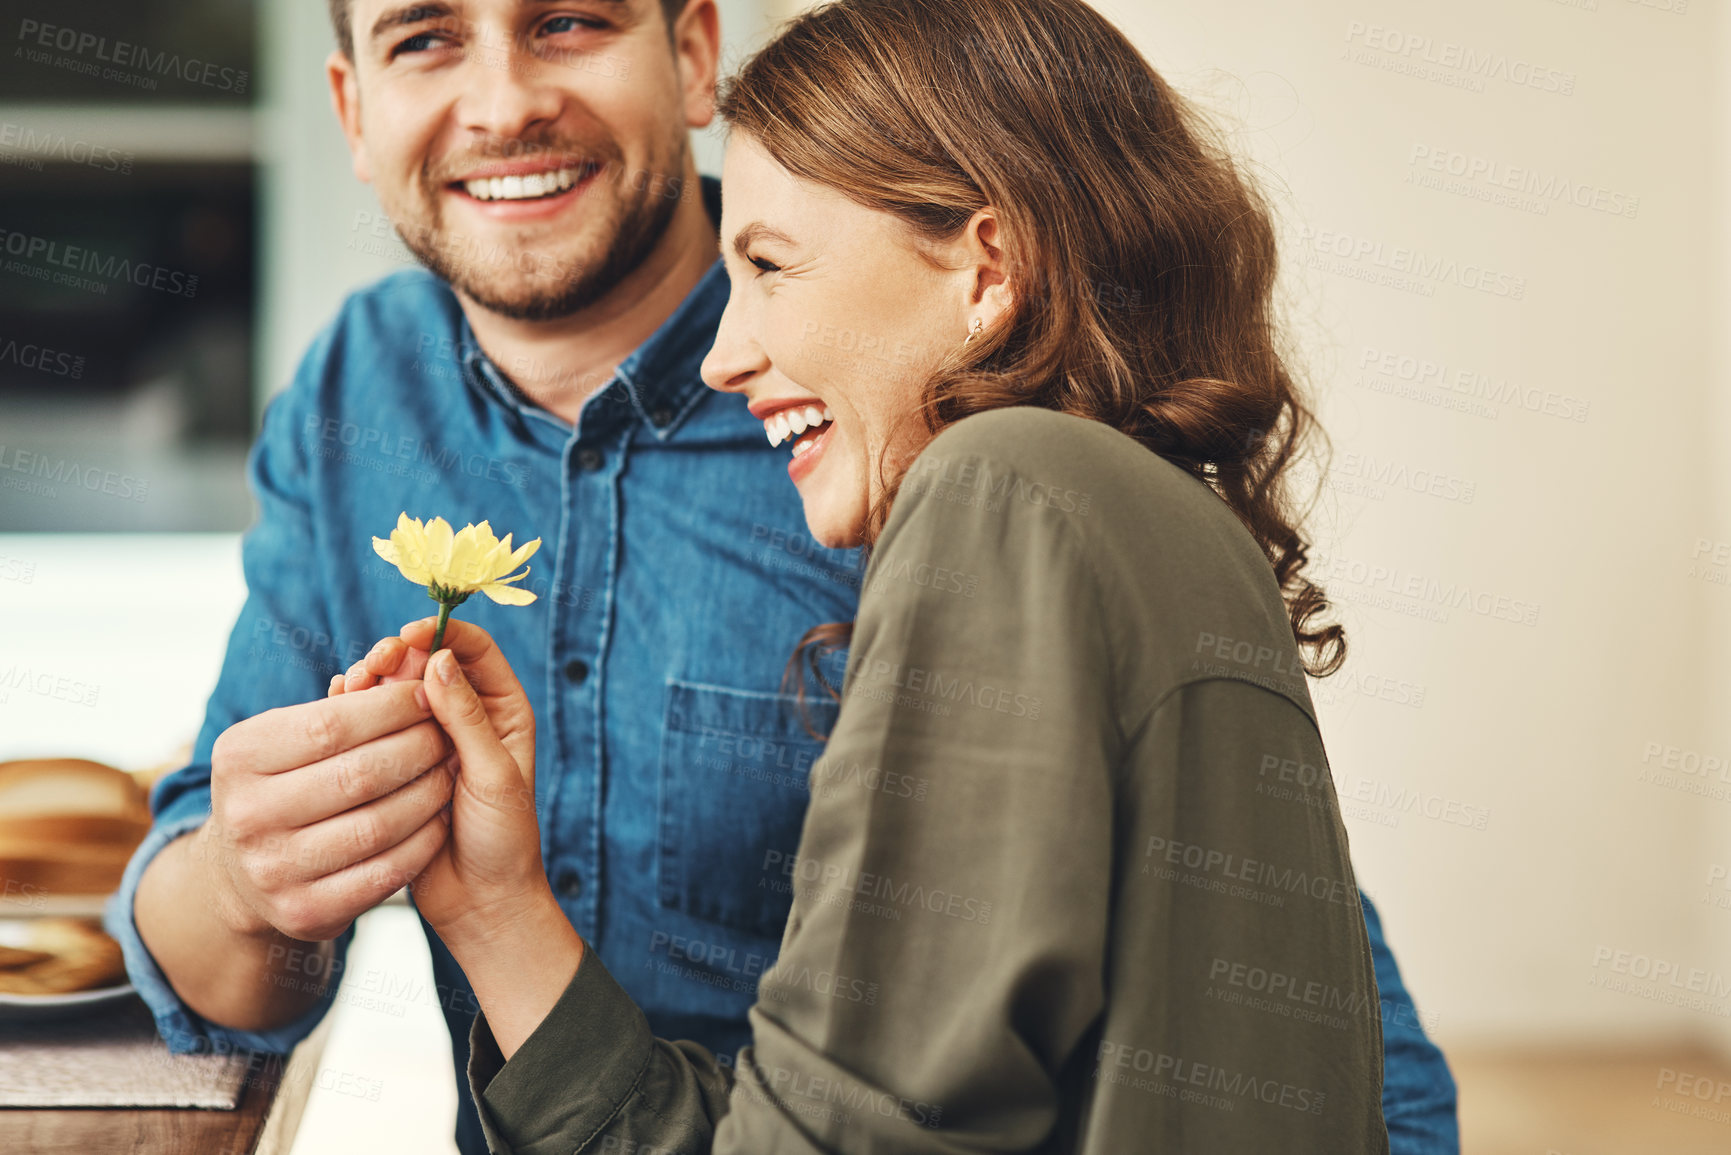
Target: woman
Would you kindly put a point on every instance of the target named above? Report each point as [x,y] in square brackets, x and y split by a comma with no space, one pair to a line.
[1010,311]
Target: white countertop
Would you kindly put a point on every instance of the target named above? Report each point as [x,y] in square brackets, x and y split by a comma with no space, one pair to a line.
[111,643]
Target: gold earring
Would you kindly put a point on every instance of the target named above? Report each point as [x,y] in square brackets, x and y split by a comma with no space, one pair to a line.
[979,327]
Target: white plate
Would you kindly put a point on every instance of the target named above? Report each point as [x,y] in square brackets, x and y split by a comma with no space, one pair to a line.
[19,1008]
[15,932]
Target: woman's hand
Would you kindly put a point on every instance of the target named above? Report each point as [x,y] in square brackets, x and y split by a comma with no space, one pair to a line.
[486,892]
[493,858]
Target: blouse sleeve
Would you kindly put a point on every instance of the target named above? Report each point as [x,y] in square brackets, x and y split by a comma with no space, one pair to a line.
[945,956]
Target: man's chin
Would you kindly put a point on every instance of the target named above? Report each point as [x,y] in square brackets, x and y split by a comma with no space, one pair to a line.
[540,287]
[533,285]
[528,302]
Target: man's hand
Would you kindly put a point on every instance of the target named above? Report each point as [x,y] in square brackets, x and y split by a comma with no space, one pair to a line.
[321,811]
[318,812]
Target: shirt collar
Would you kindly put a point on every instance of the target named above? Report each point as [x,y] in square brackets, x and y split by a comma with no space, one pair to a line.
[660,377]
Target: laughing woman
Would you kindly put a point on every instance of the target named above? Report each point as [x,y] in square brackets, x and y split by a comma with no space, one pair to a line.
[1011,309]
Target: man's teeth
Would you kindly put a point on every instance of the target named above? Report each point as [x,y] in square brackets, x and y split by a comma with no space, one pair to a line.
[522,188]
[785,423]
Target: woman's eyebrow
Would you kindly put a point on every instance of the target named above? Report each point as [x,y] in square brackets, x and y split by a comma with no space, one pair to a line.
[758,231]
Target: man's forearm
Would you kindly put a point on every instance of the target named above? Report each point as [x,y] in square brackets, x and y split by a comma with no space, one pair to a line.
[250,978]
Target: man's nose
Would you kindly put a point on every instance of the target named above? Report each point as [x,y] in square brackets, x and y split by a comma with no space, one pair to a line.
[507,91]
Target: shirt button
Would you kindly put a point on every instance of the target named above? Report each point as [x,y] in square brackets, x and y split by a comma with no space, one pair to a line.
[589,460]
[661,417]
[569,884]
[576,671]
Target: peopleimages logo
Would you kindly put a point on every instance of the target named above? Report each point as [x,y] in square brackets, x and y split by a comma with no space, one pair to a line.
[1496,176]
[19,142]
[39,468]
[28,248]
[1408,267]
[41,358]
[1428,58]
[1436,375]
[141,60]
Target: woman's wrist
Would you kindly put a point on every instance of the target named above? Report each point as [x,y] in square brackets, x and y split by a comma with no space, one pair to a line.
[519,957]
[491,925]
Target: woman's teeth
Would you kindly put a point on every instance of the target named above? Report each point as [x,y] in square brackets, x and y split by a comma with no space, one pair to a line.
[792,422]
[523,188]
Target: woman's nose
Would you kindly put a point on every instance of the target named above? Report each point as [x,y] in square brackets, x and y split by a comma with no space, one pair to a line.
[736,358]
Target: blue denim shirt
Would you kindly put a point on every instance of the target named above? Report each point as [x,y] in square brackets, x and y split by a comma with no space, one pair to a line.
[674,580]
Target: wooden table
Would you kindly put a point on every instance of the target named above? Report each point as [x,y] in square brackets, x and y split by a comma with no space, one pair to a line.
[263,1124]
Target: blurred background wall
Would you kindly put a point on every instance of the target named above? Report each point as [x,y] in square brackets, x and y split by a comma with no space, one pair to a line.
[1507,268]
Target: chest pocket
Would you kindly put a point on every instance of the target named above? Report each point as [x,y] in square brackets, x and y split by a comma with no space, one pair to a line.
[734,787]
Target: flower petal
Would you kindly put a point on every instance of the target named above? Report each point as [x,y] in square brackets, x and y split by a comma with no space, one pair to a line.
[467,566]
[497,560]
[440,542]
[523,554]
[403,558]
[508,595]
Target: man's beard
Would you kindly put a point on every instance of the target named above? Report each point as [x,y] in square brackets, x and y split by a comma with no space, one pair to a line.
[526,287]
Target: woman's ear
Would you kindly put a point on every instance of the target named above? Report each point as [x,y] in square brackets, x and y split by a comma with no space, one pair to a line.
[990,293]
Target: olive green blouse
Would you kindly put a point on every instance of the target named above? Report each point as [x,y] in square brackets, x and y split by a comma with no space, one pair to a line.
[1119,915]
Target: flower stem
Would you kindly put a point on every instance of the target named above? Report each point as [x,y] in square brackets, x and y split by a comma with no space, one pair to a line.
[445,609]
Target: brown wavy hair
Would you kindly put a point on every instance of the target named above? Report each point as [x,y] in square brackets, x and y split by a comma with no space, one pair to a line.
[1142,261]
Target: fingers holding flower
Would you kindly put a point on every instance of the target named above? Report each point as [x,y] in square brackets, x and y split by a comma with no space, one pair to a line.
[485,669]
[390,660]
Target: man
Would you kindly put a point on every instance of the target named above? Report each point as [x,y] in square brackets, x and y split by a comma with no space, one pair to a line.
[544,376]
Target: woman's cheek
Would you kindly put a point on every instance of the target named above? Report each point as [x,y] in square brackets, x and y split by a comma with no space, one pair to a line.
[800,351]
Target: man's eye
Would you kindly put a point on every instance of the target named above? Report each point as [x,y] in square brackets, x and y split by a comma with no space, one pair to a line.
[560,24]
[417,43]
[765,266]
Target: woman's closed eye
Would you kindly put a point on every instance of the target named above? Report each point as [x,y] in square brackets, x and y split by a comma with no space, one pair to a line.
[764,266]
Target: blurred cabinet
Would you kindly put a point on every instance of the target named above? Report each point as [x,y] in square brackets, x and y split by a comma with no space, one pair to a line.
[128,264]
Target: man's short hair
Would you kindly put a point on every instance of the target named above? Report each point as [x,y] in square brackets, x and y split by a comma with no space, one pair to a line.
[346,34]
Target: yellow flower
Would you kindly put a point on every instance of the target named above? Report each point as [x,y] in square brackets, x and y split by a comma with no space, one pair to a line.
[454,565]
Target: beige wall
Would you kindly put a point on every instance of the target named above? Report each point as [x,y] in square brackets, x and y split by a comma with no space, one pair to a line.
[1591,525]
[1715,685]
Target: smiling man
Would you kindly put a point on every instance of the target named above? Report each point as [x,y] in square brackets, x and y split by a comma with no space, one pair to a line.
[542,373]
